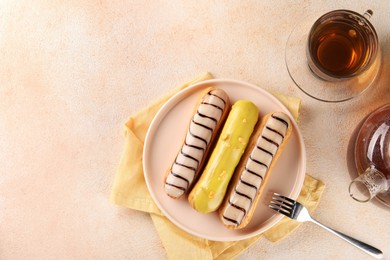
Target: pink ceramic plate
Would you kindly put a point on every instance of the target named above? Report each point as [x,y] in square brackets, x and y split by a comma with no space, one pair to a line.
[165,137]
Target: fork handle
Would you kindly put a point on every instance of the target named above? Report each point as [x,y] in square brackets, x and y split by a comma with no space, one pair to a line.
[359,244]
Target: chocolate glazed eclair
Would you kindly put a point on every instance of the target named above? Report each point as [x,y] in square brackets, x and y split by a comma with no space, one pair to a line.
[254,169]
[208,118]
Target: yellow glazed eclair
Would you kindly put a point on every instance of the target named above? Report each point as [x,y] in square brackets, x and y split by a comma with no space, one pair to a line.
[210,113]
[254,169]
[208,193]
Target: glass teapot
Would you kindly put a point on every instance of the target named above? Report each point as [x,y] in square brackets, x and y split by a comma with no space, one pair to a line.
[372,158]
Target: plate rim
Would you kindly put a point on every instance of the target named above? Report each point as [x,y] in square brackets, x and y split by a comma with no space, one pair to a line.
[188,91]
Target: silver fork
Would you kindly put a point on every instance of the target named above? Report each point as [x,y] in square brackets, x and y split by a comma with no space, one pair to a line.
[295,210]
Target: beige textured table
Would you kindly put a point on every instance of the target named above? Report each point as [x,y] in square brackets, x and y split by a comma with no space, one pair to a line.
[71,72]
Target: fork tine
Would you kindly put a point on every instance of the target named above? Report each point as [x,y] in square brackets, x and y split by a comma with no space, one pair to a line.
[282,202]
[286,213]
[281,206]
[279,196]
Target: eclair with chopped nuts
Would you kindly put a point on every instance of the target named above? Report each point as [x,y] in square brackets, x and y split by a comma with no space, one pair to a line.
[209,191]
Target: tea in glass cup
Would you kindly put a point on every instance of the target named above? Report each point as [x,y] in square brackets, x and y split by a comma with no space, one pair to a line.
[341,44]
[333,57]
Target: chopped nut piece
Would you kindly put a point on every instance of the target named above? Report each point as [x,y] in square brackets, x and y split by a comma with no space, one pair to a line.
[241,140]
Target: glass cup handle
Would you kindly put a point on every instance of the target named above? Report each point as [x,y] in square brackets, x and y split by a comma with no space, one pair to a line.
[368,14]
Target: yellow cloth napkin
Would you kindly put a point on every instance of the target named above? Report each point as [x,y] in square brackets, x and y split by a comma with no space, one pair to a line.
[129,190]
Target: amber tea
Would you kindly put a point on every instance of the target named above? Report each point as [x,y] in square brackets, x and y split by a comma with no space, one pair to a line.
[340,45]
[339,49]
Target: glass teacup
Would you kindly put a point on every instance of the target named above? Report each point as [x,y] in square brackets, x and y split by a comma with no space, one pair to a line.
[335,56]
[342,44]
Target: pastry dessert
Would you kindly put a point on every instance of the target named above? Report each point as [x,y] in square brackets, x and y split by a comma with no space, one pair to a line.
[210,189]
[254,170]
[203,129]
